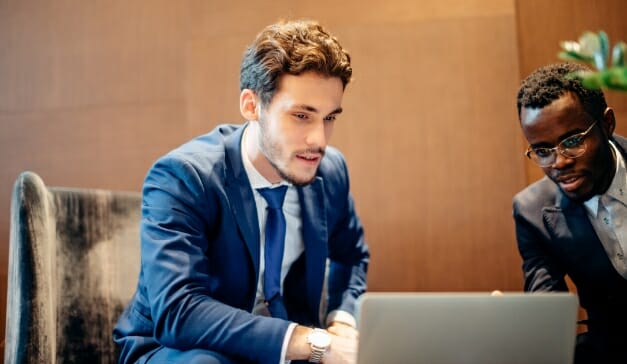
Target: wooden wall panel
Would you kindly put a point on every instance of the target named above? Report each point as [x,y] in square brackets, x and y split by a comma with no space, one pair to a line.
[242,17]
[3,308]
[90,94]
[72,54]
[542,25]
[433,154]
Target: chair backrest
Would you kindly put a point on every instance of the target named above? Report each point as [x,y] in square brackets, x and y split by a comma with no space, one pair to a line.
[74,259]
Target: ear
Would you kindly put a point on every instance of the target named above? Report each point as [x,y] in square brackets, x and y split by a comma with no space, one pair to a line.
[609,122]
[248,103]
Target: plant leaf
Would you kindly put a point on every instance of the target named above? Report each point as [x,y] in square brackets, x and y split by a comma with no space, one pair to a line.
[589,44]
[592,81]
[618,55]
[570,46]
[589,79]
[604,51]
[616,78]
[593,49]
[574,56]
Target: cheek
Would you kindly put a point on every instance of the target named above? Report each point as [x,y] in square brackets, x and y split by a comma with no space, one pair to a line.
[328,129]
[281,134]
[595,155]
[547,171]
[600,163]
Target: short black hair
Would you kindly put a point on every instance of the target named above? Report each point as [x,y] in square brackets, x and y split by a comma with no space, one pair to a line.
[549,83]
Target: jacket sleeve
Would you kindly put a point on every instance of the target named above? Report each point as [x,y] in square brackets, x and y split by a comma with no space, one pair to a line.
[542,272]
[177,213]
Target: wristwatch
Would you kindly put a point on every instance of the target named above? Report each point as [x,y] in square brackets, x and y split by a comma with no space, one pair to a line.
[320,341]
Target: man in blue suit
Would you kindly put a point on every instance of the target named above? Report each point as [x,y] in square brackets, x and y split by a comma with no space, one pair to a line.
[573,221]
[201,295]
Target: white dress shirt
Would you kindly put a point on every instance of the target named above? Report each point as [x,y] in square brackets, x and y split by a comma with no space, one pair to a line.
[294,243]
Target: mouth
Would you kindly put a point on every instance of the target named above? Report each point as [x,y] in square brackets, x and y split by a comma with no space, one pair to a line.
[570,183]
[311,158]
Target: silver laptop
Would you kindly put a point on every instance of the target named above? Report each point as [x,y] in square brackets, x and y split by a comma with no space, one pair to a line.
[467,328]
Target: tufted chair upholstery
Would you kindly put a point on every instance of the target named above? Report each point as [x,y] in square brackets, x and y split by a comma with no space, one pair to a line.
[73,266]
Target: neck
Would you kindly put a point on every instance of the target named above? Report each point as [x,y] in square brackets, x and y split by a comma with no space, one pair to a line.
[252,151]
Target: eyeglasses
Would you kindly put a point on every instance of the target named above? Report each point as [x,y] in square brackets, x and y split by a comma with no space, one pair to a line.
[572,147]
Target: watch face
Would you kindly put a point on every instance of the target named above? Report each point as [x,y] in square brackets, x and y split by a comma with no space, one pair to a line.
[320,339]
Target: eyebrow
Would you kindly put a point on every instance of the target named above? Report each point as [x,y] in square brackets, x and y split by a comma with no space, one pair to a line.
[561,138]
[314,110]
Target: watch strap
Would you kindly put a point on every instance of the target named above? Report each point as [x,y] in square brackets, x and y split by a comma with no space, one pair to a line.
[317,352]
[316,355]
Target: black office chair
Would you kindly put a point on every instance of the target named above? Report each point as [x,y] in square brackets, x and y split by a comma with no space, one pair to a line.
[73,266]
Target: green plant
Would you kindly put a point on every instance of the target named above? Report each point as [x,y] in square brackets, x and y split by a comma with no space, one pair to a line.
[593,49]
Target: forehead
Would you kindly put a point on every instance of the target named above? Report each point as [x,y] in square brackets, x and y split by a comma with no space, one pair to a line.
[550,123]
[310,90]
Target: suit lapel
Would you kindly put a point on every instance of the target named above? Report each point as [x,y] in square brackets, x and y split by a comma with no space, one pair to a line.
[562,219]
[315,236]
[241,196]
[569,226]
[313,214]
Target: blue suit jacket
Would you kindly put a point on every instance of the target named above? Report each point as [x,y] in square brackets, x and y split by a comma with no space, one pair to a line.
[555,238]
[200,254]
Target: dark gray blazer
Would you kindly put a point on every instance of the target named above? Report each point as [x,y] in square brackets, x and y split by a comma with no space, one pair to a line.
[555,238]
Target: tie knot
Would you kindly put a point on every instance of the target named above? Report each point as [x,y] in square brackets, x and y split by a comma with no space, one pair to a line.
[274,196]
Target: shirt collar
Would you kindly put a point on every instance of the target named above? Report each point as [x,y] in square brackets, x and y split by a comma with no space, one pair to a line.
[592,205]
[617,189]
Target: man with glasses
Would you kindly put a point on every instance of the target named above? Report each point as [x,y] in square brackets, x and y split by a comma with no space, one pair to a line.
[572,222]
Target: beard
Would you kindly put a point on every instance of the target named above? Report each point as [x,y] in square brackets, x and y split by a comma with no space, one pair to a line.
[290,177]
[597,179]
[272,151]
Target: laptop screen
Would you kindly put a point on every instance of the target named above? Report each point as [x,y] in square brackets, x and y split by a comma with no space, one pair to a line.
[466,327]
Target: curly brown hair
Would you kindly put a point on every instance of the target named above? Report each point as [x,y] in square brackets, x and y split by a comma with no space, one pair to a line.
[292,47]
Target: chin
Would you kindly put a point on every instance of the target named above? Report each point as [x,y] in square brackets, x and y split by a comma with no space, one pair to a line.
[579,196]
[300,181]
[297,180]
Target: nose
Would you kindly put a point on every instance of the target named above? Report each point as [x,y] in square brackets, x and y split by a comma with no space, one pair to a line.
[317,134]
[561,161]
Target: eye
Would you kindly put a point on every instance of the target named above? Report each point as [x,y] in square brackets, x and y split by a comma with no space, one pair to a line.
[572,142]
[330,118]
[300,116]
[543,152]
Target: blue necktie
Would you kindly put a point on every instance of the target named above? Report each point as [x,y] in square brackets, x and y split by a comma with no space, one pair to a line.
[273,250]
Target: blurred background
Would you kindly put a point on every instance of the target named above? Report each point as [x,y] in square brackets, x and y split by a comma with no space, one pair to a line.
[92,92]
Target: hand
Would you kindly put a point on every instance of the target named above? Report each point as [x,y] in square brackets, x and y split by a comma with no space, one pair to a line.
[343,350]
[343,330]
